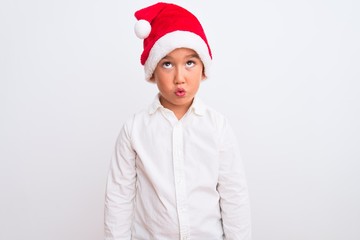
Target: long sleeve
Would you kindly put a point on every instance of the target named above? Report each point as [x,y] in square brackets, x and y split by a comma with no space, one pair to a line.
[120,190]
[232,187]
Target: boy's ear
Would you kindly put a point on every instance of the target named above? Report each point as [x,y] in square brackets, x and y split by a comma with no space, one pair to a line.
[203,75]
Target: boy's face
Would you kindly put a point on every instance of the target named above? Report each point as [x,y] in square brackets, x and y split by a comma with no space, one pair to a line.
[178,76]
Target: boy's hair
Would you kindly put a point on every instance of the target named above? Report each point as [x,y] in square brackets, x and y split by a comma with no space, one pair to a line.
[166,27]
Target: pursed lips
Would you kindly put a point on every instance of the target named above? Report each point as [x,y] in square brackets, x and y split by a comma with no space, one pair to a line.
[180,92]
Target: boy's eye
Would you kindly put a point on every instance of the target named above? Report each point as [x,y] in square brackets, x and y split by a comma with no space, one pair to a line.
[167,64]
[190,63]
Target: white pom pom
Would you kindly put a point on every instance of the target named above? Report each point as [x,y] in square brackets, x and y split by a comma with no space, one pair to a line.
[142,29]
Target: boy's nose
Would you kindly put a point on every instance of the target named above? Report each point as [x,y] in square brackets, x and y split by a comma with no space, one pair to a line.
[179,77]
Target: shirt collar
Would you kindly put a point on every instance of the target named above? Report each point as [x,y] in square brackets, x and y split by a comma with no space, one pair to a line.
[155,105]
[197,106]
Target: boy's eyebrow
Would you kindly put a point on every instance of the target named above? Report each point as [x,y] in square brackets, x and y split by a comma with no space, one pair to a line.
[193,55]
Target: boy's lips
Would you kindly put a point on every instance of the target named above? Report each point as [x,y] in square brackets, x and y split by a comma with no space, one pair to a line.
[180,92]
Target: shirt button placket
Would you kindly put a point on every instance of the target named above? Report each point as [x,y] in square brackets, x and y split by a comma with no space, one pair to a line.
[179,173]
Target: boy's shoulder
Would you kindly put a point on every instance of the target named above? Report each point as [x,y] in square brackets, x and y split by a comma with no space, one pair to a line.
[128,123]
[140,113]
[211,112]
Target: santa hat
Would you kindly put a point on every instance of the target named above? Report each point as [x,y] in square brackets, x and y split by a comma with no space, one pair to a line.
[165,27]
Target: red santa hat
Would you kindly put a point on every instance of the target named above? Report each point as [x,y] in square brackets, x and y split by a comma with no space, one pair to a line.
[165,27]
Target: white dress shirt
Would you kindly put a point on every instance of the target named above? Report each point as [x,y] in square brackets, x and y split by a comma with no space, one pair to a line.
[177,179]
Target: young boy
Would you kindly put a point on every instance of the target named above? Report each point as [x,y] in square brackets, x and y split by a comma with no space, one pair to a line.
[176,172]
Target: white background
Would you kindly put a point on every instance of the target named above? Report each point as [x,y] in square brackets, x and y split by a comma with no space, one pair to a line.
[286,74]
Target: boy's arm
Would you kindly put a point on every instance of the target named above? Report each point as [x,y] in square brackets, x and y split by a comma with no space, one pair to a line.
[232,187]
[120,190]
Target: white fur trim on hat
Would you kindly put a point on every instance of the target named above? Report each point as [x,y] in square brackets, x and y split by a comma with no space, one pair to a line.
[172,41]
